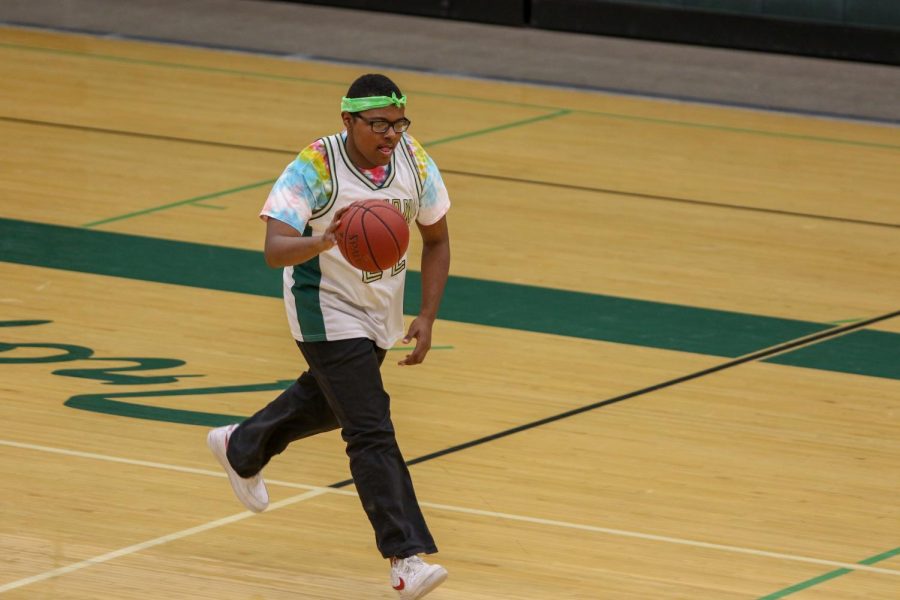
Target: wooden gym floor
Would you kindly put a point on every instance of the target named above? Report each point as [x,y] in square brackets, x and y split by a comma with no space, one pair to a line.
[667,367]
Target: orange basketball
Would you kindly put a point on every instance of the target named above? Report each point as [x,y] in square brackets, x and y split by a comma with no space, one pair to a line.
[373,235]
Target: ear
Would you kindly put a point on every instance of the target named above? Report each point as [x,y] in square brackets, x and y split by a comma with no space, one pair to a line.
[347,118]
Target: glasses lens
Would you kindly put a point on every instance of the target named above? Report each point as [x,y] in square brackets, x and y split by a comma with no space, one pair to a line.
[381,126]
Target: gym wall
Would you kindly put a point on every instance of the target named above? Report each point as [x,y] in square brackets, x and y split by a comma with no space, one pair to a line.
[862,30]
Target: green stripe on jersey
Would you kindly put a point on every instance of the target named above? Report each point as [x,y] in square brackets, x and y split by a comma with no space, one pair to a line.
[307,279]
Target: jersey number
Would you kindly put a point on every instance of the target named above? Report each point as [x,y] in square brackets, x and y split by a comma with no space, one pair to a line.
[372,276]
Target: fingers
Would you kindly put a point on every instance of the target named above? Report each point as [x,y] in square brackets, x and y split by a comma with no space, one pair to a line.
[332,227]
[409,358]
[418,353]
[336,220]
[341,211]
[417,356]
[421,332]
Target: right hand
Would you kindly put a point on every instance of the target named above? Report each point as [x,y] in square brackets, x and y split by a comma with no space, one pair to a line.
[329,239]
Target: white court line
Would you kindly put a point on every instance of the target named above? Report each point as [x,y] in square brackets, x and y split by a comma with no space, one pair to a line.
[662,538]
[90,562]
[315,491]
[153,465]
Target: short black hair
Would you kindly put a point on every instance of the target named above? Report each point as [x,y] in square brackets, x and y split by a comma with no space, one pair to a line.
[372,84]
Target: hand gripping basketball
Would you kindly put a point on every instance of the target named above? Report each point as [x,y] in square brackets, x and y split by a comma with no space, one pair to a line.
[372,235]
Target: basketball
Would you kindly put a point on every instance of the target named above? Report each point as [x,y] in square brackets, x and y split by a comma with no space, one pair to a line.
[373,235]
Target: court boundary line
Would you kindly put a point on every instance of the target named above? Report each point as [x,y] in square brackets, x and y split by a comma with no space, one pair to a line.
[775,350]
[610,91]
[158,541]
[316,491]
[521,181]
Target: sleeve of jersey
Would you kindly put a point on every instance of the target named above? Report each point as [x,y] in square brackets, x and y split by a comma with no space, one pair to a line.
[435,201]
[303,187]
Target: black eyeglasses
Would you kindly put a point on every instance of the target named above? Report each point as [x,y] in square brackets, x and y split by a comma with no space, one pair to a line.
[382,125]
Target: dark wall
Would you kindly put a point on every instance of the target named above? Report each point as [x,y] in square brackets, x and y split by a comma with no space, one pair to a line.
[497,12]
[880,14]
[788,28]
[862,30]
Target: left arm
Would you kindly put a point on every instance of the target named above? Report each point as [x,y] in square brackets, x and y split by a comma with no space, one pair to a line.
[435,269]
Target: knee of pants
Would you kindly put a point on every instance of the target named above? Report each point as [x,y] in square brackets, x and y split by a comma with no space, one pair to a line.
[382,438]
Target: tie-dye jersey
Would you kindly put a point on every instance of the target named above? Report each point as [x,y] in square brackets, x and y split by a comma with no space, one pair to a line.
[305,186]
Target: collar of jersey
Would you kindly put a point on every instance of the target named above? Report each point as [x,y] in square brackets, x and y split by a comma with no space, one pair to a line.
[362,174]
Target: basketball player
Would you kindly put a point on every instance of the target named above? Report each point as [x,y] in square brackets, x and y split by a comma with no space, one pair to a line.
[344,320]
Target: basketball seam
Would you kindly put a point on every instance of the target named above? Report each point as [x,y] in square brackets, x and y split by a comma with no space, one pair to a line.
[390,231]
[344,238]
[365,210]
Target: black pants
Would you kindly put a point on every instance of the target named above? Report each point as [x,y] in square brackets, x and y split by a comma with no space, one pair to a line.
[343,388]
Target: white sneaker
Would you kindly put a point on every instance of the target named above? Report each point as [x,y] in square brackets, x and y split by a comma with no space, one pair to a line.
[412,577]
[251,490]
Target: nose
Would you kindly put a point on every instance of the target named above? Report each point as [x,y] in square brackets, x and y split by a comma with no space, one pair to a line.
[390,133]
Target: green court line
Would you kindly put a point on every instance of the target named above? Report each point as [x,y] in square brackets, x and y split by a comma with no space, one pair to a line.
[154,209]
[760,132]
[463,136]
[257,74]
[845,321]
[466,300]
[196,199]
[210,206]
[408,348]
[829,576]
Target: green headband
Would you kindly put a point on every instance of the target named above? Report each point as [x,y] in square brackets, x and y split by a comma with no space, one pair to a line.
[361,104]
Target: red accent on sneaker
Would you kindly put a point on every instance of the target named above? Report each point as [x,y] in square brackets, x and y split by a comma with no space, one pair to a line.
[401,585]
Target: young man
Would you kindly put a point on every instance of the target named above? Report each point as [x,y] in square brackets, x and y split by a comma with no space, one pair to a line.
[344,320]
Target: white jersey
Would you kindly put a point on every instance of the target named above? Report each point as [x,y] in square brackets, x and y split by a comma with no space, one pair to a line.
[326,298]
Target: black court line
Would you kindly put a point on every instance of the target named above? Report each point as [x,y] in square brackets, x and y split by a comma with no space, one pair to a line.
[519,180]
[673,199]
[452,73]
[764,353]
[143,135]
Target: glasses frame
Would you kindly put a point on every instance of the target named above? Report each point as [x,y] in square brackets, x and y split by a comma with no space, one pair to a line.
[390,124]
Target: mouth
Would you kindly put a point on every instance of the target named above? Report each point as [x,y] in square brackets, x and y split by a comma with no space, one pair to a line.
[386,149]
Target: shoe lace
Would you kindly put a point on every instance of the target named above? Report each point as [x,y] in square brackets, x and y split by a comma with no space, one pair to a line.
[409,565]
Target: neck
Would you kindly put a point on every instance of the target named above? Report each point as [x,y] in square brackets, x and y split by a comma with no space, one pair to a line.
[355,156]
